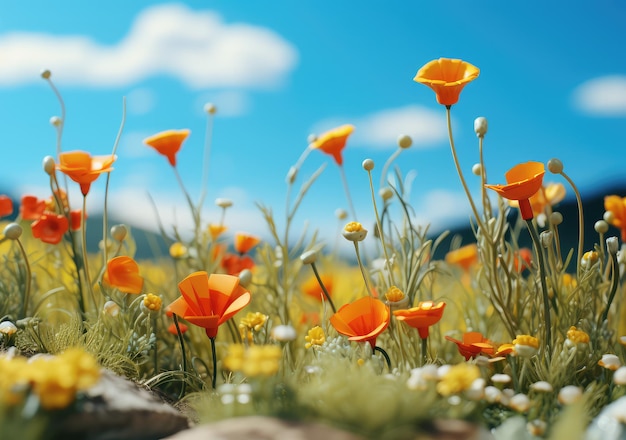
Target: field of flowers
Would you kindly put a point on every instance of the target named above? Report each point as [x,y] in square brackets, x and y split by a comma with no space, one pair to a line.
[522,342]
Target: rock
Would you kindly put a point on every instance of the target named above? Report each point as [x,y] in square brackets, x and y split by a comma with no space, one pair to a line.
[119,409]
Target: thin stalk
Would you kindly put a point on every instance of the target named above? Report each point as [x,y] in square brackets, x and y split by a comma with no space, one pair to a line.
[381,233]
[345,187]
[614,284]
[208,137]
[424,351]
[391,158]
[483,179]
[183,354]
[28,279]
[358,259]
[581,232]
[326,294]
[84,249]
[385,355]
[214,356]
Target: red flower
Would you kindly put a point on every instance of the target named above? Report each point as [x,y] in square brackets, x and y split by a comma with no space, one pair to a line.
[6,206]
[233,264]
[473,344]
[50,227]
[76,216]
[32,208]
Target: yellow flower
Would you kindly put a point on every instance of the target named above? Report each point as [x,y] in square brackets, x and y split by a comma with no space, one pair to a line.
[315,337]
[526,345]
[257,360]
[589,259]
[394,294]
[152,302]
[458,378]
[178,250]
[216,230]
[253,321]
[354,231]
[577,336]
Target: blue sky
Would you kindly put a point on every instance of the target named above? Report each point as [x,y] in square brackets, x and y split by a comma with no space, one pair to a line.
[552,84]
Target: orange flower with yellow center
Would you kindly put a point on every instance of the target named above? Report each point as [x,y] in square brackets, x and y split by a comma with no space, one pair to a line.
[333,142]
[473,344]
[447,77]
[168,143]
[83,168]
[123,273]
[523,181]
[245,242]
[208,301]
[422,316]
[615,206]
[362,320]
[50,227]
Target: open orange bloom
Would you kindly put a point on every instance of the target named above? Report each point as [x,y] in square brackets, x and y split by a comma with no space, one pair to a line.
[83,168]
[312,289]
[233,264]
[465,256]
[523,181]
[421,317]
[362,320]
[473,344]
[50,227]
[245,242]
[32,208]
[616,205]
[334,141]
[123,273]
[548,195]
[208,301]
[6,206]
[168,143]
[447,77]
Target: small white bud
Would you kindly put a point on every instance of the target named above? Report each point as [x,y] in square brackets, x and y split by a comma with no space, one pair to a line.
[480,126]
[7,328]
[601,226]
[49,165]
[210,108]
[13,231]
[612,245]
[368,164]
[520,403]
[55,121]
[119,232]
[385,193]
[546,238]
[477,169]
[245,277]
[608,216]
[569,394]
[111,308]
[341,214]
[405,141]
[45,74]
[223,203]
[619,377]
[284,333]
[309,257]
[311,138]
[555,166]
[556,218]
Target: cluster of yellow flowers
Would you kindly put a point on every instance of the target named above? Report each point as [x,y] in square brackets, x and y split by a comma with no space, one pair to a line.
[253,361]
[55,380]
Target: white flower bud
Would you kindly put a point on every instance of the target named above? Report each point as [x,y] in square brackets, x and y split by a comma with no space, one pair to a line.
[49,165]
[608,216]
[45,74]
[245,277]
[405,141]
[385,193]
[368,164]
[542,386]
[291,175]
[111,308]
[354,232]
[223,203]
[210,108]
[12,231]
[309,257]
[612,245]
[55,121]
[519,403]
[284,333]
[546,238]
[619,377]
[569,394]
[555,166]
[601,226]
[556,218]
[311,138]
[7,328]
[477,169]
[480,126]
[119,232]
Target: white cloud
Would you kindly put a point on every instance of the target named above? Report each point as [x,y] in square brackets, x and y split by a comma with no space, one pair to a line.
[381,129]
[602,96]
[196,47]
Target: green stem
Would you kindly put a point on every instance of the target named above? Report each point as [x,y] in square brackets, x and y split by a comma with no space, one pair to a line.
[385,355]
[326,294]
[358,259]
[28,280]
[345,187]
[183,354]
[380,231]
[214,356]
[544,289]
[581,232]
[424,344]
[84,249]
[614,284]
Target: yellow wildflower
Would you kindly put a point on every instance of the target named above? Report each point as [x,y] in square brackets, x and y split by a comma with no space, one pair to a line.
[354,231]
[526,345]
[458,378]
[394,294]
[253,321]
[216,230]
[315,337]
[577,336]
[257,360]
[178,250]
[589,259]
[152,302]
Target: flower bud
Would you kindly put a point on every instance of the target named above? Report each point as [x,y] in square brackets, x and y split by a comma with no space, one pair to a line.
[556,218]
[354,231]
[13,231]
[601,226]
[284,333]
[480,126]
[49,165]
[119,232]
[555,166]
[55,121]
[223,203]
[111,308]
[311,138]
[291,175]
[385,193]
[477,169]
[309,257]
[612,245]
[7,328]
[210,108]
[245,277]
[45,74]
[608,216]
[405,141]
[546,238]
[341,214]
[368,164]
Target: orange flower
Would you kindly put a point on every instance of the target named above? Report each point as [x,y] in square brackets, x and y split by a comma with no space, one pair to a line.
[208,301]
[523,181]
[83,168]
[50,227]
[473,344]
[6,206]
[311,287]
[168,143]
[522,259]
[216,230]
[616,206]
[123,273]
[31,208]
[548,195]
[233,264]
[447,77]
[245,242]
[425,314]
[51,202]
[172,328]
[333,142]
[76,216]
[465,256]
[362,320]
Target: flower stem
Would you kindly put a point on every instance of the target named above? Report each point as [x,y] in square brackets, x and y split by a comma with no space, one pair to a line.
[614,284]
[581,232]
[385,355]
[214,356]
[326,294]
[424,342]
[28,280]
[183,355]
[544,288]
[358,259]
[345,187]
[380,231]
[85,256]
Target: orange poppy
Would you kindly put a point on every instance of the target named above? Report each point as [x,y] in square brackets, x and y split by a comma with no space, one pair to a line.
[31,208]
[465,256]
[123,274]
[245,242]
[6,206]
[233,264]
[76,217]
[616,206]
[447,77]
[523,181]
[362,320]
[50,227]
[172,328]
[421,317]
[333,142]
[522,259]
[83,168]
[548,195]
[168,143]
[216,230]
[208,301]
[473,344]
[312,289]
